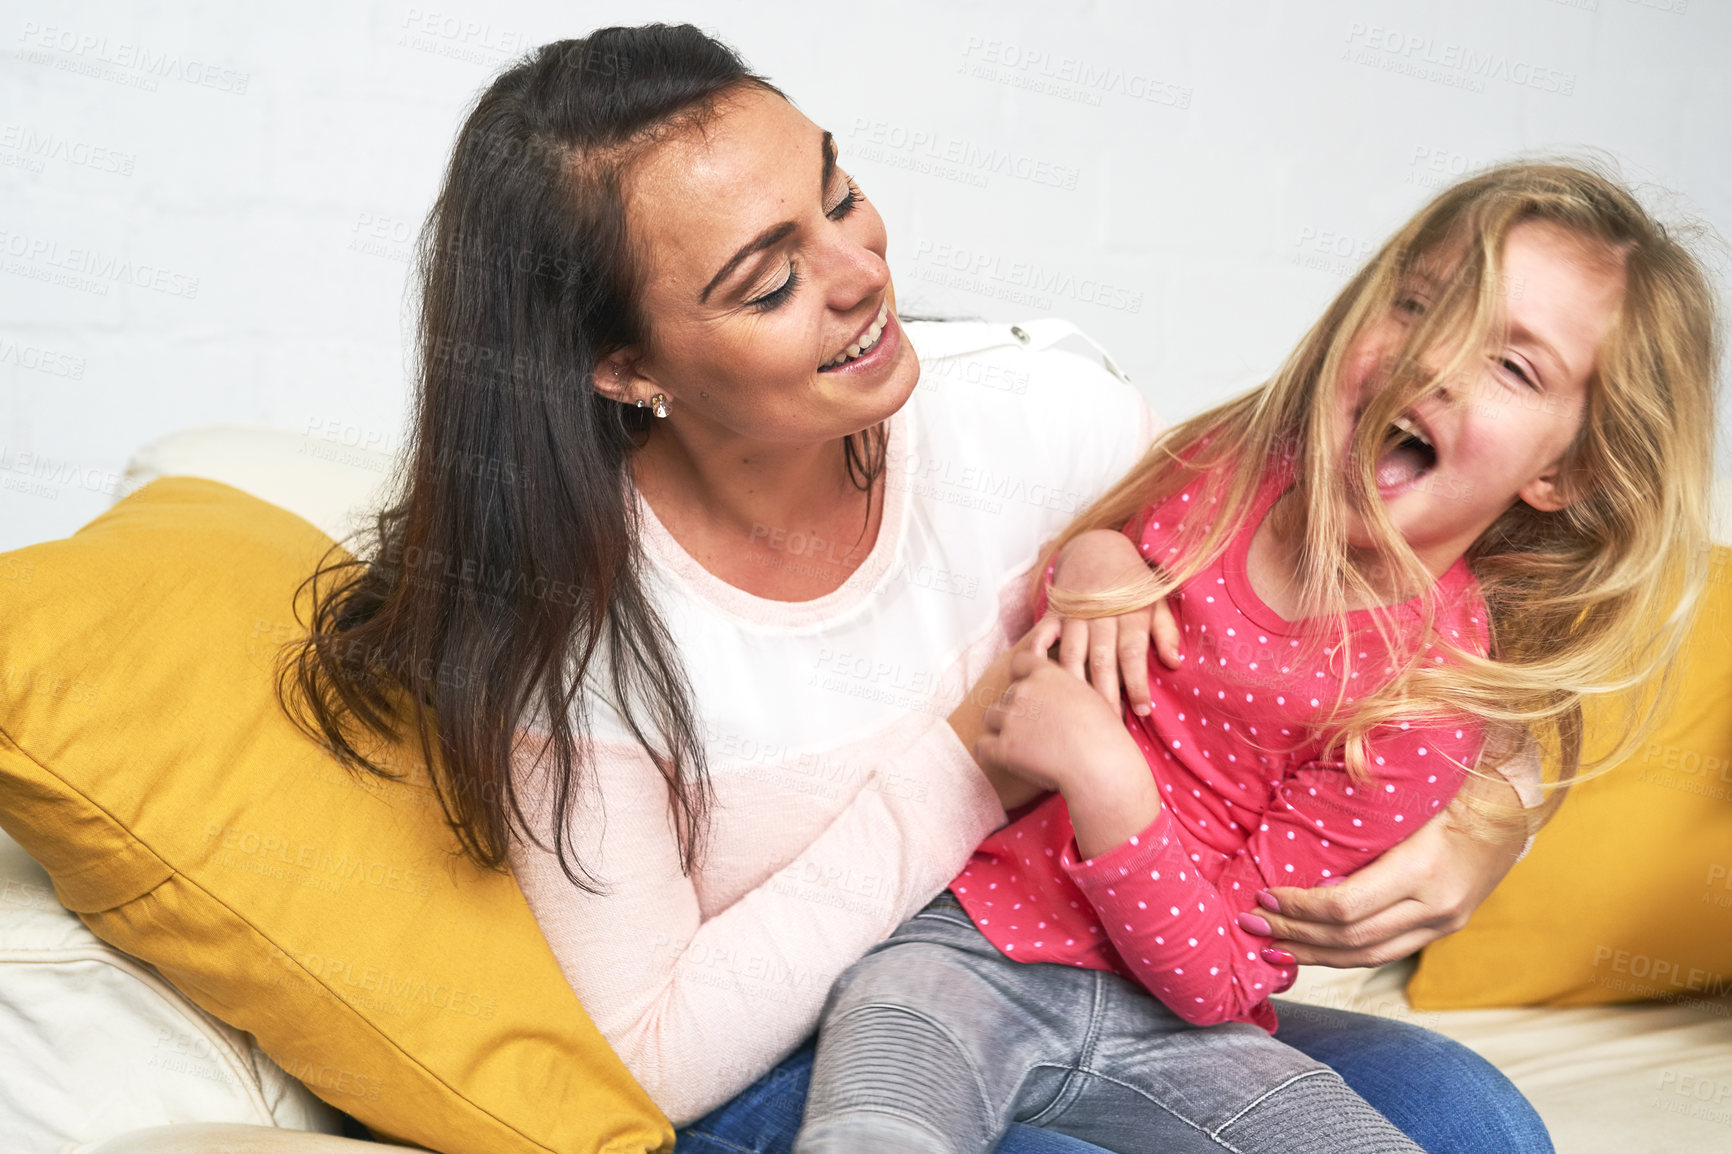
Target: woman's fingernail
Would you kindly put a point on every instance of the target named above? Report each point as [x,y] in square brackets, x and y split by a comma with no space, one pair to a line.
[1268,902]
[1277,957]
[1252,924]
[1141,710]
[1330,882]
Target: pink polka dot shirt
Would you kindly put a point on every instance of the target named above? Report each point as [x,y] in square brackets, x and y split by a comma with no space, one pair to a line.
[1250,798]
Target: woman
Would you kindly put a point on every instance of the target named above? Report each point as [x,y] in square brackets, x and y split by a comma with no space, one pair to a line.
[716,572]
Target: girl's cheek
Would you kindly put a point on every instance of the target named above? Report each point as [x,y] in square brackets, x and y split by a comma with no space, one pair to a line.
[1358,379]
[1367,359]
[1480,443]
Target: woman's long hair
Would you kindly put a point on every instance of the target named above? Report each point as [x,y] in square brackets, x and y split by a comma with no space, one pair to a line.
[503,588]
[1591,600]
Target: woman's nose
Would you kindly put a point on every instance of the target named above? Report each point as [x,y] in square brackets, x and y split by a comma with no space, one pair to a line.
[858,274]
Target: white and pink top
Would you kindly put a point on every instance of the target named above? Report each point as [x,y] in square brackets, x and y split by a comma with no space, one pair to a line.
[843,800]
[1250,797]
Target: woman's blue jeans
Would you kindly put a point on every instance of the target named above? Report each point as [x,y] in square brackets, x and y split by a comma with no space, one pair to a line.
[1442,1094]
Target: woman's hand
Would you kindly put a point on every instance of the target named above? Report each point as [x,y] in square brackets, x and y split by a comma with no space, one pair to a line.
[1417,892]
[1049,729]
[1101,650]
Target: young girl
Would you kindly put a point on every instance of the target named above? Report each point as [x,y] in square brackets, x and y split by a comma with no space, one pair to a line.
[1475,494]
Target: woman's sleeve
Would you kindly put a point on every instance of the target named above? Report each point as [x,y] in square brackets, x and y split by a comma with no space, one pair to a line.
[698,1008]
[1178,931]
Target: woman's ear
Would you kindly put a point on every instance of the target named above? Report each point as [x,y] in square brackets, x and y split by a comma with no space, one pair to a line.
[618,377]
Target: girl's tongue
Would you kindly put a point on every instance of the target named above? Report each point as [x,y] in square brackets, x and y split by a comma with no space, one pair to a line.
[1406,461]
[1402,465]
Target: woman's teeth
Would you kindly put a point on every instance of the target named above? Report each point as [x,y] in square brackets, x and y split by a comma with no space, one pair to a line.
[867,340]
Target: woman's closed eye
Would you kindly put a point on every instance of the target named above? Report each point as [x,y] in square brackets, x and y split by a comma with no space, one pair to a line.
[850,197]
[779,295]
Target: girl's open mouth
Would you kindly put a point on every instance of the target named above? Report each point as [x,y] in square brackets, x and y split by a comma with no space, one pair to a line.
[1409,457]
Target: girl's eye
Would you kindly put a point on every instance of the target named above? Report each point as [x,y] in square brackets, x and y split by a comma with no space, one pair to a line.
[846,205]
[1412,306]
[776,297]
[1517,370]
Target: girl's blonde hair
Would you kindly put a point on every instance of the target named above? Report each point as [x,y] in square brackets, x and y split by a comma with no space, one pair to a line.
[1589,600]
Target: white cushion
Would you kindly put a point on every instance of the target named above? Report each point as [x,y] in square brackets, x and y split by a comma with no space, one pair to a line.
[94,1044]
[224,1138]
[1648,1078]
[328,482]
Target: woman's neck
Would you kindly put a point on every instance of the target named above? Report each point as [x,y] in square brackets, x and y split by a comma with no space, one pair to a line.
[785,523]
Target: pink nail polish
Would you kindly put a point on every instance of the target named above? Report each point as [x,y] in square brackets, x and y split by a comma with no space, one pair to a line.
[1277,957]
[1252,924]
[1268,902]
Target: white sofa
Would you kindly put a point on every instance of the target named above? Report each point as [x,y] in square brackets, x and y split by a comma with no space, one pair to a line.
[94,1045]
[98,1055]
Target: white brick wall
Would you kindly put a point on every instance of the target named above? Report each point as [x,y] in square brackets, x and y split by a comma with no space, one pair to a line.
[1190,181]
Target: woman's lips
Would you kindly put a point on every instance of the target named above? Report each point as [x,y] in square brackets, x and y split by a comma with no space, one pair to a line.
[875,358]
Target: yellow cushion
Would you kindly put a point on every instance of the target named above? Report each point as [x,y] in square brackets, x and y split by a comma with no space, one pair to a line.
[145,763]
[1627,894]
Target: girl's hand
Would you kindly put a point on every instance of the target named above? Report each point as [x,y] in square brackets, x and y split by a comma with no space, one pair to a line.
[1049,729]
[1417,892]
[968,720]
[1110,647]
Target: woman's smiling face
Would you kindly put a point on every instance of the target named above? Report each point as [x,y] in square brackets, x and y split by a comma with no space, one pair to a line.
[765,266]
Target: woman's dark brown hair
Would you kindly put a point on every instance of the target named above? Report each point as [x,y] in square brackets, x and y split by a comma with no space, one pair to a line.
[504,586]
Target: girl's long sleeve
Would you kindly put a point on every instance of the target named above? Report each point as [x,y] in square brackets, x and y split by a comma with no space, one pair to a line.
[1176,928]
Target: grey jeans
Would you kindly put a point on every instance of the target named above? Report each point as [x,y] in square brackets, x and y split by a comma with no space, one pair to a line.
[936,1042]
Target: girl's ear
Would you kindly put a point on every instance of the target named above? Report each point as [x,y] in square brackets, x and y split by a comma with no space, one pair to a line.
[1551,491]
[618,377]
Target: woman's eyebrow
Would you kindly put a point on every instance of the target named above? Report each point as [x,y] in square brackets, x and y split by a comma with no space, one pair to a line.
[770,237]
[776,233]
